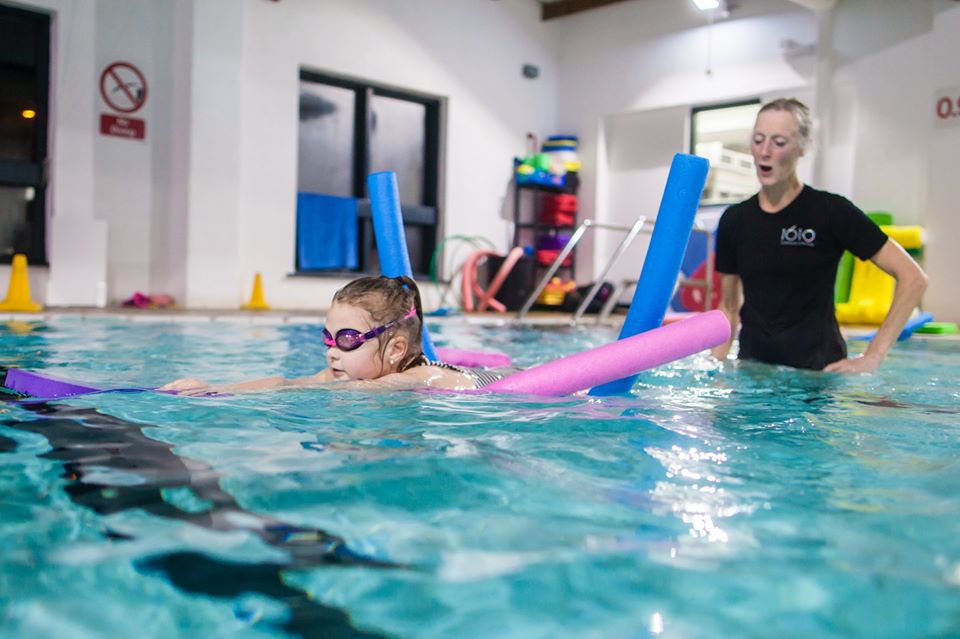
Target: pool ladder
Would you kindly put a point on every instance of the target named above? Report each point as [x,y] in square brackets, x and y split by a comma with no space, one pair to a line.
[630,234]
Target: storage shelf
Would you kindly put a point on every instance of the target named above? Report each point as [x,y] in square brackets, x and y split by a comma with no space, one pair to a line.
[527,229]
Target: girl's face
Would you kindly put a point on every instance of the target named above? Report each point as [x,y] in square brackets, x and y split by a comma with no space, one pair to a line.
[776,147]
[364,362]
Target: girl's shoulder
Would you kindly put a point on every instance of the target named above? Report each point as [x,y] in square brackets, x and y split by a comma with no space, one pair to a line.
[441,375]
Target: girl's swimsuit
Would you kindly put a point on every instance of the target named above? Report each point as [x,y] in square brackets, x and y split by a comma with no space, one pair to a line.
[480,376]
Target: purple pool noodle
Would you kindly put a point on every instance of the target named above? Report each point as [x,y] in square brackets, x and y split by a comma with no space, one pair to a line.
[43,385]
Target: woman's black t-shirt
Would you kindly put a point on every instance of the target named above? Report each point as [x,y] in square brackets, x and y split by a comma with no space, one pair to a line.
[787,262]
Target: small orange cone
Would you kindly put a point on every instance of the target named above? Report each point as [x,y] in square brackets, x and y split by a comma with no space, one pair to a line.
[18,293]
[257,301]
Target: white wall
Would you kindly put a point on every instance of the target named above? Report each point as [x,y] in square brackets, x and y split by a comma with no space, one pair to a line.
[629,75]
[942,257]
[636,145]
[891,59]
[470,53]
[881,59]
[71,152]
[102,189]
[124,181]
[627,64]
[208,198]
[217,139]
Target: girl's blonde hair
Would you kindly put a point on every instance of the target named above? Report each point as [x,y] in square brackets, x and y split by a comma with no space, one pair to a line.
[800,113]
[388,299]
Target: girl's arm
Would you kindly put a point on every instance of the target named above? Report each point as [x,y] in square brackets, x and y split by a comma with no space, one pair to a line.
[730,299]
[200,387]
[911,283]
[417,377]
[411,379]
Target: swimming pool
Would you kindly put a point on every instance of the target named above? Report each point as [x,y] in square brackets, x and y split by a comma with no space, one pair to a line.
[715,501]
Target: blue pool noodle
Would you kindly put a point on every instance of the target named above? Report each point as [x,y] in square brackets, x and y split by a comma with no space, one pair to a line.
[908,329]
[658,277]
[391,239]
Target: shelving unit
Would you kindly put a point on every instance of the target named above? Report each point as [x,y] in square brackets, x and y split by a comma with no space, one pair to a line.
[547,237]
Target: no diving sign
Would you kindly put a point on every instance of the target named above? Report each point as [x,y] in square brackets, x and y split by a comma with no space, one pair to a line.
[124,89]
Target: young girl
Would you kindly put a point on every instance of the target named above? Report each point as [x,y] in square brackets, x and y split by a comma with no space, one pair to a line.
[373,335]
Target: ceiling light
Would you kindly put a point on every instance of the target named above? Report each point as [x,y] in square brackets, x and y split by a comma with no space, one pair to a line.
[706,5]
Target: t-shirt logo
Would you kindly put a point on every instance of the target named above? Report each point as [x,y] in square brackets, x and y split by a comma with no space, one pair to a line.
[796,236]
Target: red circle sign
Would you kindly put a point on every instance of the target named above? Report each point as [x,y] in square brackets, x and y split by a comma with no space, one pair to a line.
[123,87]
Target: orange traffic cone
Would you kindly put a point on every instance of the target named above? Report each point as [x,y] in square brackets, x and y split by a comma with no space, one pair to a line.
[257,301]
[18,293]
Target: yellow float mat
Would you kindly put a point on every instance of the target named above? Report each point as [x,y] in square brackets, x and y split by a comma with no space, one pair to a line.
[909,237]
[871,290]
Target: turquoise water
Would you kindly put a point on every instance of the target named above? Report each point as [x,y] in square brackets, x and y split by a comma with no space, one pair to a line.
[715,501]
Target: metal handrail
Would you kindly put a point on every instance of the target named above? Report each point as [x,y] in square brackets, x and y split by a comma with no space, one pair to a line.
[630,234]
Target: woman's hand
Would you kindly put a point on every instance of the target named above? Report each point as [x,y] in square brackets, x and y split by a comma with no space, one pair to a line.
[911,283]
[866,363]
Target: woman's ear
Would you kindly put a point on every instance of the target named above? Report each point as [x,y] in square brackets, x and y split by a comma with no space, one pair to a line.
[397,349]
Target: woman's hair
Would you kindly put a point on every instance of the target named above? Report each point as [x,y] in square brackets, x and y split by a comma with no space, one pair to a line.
[388,299]
[800,113]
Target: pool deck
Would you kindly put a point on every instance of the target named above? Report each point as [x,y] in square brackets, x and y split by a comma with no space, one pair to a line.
[291,316]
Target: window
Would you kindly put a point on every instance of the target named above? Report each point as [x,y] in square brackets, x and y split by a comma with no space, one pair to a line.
[721,133]
[349,129]
[24,79]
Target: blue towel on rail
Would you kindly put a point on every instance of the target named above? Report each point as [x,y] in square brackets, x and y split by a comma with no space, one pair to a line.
[326,231]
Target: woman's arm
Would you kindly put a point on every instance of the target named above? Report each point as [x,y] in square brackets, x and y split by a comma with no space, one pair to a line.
[911,283]
[730,299]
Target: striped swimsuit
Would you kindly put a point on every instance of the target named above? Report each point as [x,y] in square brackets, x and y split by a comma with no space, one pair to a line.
[480,376]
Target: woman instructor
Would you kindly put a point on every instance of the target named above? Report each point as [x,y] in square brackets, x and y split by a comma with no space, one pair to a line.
[780,250]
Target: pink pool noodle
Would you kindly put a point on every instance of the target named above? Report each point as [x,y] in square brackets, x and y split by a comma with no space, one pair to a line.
[624,357]
[501,276]
[471,286]
[473,359]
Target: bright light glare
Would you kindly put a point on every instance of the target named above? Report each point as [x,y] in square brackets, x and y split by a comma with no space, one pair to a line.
[656,624]
[706,5]
[29,114]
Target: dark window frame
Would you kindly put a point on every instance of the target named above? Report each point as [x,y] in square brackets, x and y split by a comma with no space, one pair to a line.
[33,174]
[424,216]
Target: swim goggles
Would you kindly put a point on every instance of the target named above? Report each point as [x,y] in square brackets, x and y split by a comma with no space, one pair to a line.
[348,339]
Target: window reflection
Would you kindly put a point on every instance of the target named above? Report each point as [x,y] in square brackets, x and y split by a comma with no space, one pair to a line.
[325,151]
[397,143]
[722,135]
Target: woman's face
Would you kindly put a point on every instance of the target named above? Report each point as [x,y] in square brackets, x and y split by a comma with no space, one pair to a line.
[364,362]
[776,147]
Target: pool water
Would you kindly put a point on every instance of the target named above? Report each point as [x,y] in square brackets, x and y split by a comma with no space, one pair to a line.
[733,500]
